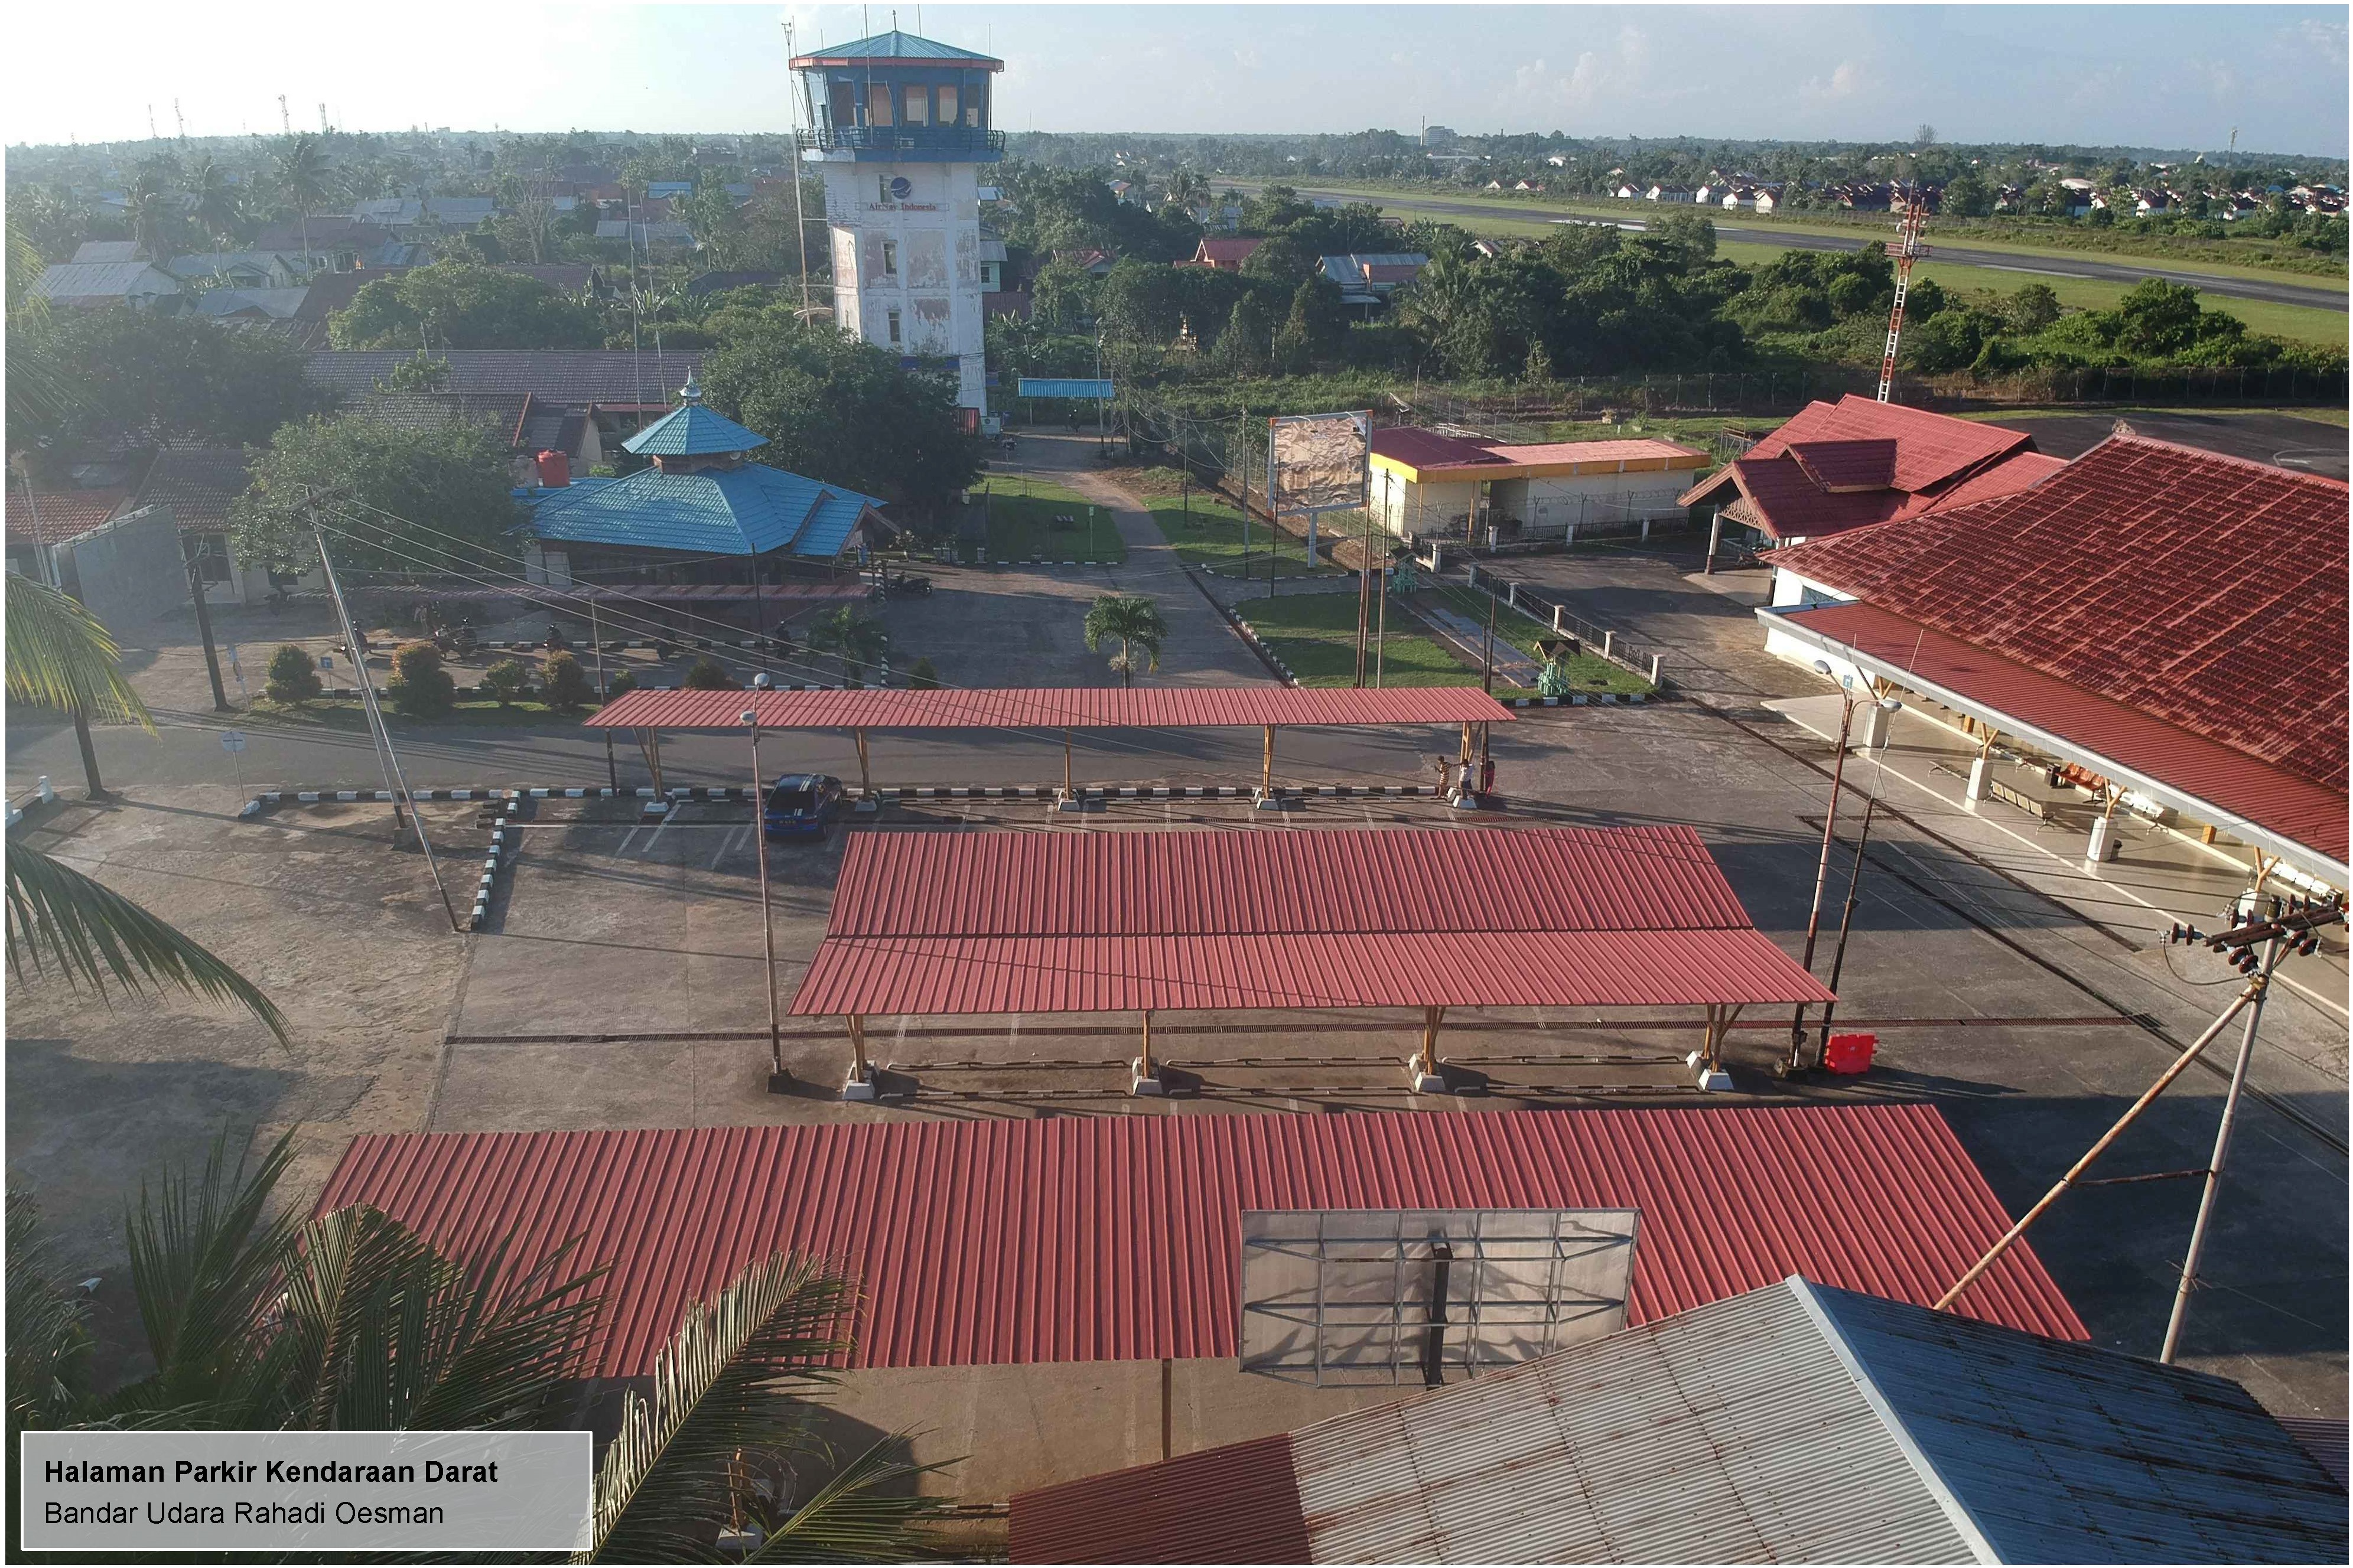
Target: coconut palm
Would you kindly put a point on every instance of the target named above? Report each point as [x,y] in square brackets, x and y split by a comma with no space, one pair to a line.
[1188,190]
[149,204]
[1136,622]
[217,211]
[58,656]
[302,180]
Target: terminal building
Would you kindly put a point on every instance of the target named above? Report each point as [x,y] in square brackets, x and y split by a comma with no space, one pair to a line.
[899,126]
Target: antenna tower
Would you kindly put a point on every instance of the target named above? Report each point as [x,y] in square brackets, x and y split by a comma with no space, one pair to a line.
[179,120]
[285,121]
[323,120]
[1908,249]
[151,124]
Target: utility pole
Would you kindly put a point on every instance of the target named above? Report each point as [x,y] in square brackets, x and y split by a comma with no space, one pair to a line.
[192,551]
[751,717]
[800,216]
[596,642]
[385,755]
[48,555]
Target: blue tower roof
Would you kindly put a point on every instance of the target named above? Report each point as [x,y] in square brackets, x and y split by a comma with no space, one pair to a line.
[895,46]
[691,430]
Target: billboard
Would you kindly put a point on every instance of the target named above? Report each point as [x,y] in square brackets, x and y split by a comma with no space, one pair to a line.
[1316,462]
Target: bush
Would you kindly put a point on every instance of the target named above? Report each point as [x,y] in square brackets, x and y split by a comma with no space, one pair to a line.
[293,675]
[507,680]
[619,681]
[420,687]
[562,681]
[705,676]
[923,678]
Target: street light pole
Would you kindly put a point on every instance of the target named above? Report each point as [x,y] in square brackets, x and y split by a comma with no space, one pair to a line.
[1822,872]
[751,717]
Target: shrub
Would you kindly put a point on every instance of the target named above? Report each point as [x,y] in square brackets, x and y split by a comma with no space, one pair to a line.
[420,687]
[923,678]
[706,676]
[293,675]
[507,680]
[620,681]
[562,681]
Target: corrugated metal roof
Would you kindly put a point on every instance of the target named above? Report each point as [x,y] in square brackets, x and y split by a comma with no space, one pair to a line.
[561,375]
[895,976]
[2298,809]
[893,47]
[1118,1239]
[2066,1453]
[2205,590]
[1235,1504]
[1272,884]
[1052,708]
[2322,1436]
[746,510]
[693,430]
[102,281]
[1796,1423]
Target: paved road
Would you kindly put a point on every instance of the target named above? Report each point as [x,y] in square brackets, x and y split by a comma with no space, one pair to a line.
[2319,297]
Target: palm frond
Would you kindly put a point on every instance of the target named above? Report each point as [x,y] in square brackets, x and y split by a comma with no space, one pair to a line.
[861,1515]
[205,1265]
[48,1329]
[383,1332]
[93,934]
[60,657]
[720,1386]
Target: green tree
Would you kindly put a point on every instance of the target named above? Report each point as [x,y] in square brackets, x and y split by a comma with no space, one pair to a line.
[2158,317]
[705,675]
[507,680]
[420,687]
[445,487]
[563,682]
[843,412]
[302,180]
[126,375]
[853,638]
[1136,622]
[219,210]
[60,657]
[293,675]
[457,305]
[2034,307]
[1966,196]
[925,676]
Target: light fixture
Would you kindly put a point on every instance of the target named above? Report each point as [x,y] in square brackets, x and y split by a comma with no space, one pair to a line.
[1823,665]
[761,682]
[749,717]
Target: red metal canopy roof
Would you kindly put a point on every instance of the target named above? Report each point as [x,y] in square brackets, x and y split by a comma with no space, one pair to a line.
[2205,590]
[1031,922]
[1051,708]
[2313,814]
[1118,1239]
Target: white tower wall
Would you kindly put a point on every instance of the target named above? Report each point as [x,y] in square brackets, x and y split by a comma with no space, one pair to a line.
[911,252]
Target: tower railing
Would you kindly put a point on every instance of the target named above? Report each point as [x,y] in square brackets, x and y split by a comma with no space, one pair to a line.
[901,139]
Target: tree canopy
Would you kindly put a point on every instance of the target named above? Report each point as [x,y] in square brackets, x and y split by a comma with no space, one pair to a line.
[457,305]
[435,481]
[135,375]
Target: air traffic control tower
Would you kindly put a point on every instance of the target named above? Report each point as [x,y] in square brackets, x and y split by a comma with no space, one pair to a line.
[900,126]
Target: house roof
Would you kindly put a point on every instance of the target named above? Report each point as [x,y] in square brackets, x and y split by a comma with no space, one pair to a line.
[1226,252]
[568,276]
[933,922]
[895,47]
[2203,590]
[63,514]
[1430,456]
[1052,708]
[271,304]
[1710,1435]
[1117,1239]
[214,263]
[327,231]
[91,252]
[102,281]
[429,410]
[197,483]
[694,430]
[746,510]
[607,376]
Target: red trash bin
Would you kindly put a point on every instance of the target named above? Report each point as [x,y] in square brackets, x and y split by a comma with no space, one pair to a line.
[1849,1053]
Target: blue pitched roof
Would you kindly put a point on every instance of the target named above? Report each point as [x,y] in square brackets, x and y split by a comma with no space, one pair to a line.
[691,430]
[897,45]
[747,510]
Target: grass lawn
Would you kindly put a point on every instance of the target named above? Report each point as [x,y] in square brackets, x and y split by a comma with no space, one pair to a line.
[344,713]
[1316,635]
[1208,531]
[1022,526]
[1587,671]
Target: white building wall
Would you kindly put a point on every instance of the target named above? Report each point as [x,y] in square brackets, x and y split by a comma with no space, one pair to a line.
[910,253]
[1792,591]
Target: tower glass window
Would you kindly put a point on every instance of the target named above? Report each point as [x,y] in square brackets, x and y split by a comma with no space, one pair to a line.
[894,326]
[877,103]
[919,104]
[947,105]
[842,103]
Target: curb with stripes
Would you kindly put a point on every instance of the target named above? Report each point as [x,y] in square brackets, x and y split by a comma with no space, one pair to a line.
[268,799]
[491,862]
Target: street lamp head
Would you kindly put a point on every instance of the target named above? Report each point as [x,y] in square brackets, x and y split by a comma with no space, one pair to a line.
[761,682]
[1822,665]
[749,716]
[1889,704]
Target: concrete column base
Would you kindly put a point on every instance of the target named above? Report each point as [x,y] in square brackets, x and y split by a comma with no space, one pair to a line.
[1466,800]
[1712,1080]
[1979,781]
[2104,842]
[1276,802]
[1142,1082]
[855,1088]
[867,805]
[1078,803]
[1423,1082]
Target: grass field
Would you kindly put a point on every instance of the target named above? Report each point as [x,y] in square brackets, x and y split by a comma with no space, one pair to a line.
[1587,672]
[1316,635]
[1022,526]
[1208,530]
[344,713]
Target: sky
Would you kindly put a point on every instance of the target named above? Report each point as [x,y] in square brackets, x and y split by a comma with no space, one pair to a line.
[2163,76]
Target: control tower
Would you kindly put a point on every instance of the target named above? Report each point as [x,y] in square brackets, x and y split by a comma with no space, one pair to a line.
[900,126]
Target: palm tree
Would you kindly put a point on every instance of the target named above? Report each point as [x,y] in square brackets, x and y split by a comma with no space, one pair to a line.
[1188,190]
[1136,622]
[302,180]
[353,1321]
[217,210]
[58,656]
[852,637]
[150,208]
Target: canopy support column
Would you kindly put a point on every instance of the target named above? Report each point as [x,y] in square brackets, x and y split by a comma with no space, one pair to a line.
[1143,1073]
[1708,1060]
[1421,1068]
[1268,800]
[866,801]
[860,1083]
[650,744]
[1982,767]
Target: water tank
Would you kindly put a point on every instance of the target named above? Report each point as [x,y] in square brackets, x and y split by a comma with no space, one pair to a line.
[555,469]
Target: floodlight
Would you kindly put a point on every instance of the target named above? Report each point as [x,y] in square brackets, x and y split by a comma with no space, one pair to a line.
[1889,705]
[1823,665]
[749,716]
[761,682]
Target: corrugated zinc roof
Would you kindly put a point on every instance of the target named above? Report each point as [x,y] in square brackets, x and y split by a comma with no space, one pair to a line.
[1235,1504]
[892,46]
[2297,808]
[746,510]
[693,430]
[1052,708]
[2208,591]
[1118,1239]
[102,281]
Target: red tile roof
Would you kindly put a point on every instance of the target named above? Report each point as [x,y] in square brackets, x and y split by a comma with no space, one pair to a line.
[2205,590]
[1117,1239]
[1225,255]
[1643,449]
[64,514]
[2130,736]
[1847,465]
[1051,708]
[1238,1503]
[1422,448]
[1930,448]
[1028,923]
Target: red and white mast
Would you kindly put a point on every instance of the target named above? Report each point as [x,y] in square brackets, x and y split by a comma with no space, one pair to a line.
[1908,249]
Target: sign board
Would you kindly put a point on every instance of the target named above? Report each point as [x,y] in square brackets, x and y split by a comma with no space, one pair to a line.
[232,741]
[1394,1296]
[1066,387]
[1317,462]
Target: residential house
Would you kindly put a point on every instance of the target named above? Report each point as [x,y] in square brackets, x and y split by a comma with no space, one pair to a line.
[663,190]
[235,269]
[1223,254]
[2146,201]
[1369,280]
[336,242]
[248,306]
[89,285]
[398,213]
[992,262]
[43,517]
[1625,193]
[530,426]
[1094,263]
[1125,192]
[107,252]
[200,484]
[621,386]
[1558,160]
[1668,194]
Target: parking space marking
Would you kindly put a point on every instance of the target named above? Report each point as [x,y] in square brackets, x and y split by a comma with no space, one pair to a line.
[624,850]
[729,847]
[676,807]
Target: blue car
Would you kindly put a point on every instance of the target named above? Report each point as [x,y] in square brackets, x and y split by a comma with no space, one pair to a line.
[800,806]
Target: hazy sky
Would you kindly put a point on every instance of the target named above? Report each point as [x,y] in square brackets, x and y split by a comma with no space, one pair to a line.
[2171,76]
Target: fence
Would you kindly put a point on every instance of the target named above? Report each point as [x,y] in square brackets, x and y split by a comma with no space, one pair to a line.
[1604,642]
